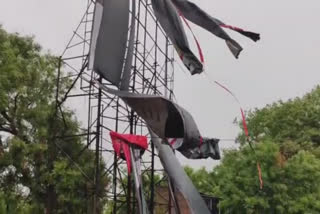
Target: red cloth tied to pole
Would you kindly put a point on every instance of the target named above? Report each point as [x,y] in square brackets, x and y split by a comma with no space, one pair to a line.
[121,143]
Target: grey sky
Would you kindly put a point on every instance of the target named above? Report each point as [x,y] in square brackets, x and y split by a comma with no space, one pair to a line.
[285,63]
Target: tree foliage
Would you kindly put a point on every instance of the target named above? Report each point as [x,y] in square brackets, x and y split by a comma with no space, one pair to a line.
[40,170]
[296,120]
[287,183]
[200,179]
[286,143]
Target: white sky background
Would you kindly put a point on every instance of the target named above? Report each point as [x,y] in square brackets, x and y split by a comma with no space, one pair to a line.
[285,63]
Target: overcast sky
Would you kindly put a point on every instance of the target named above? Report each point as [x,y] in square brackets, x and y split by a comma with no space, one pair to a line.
[285,63]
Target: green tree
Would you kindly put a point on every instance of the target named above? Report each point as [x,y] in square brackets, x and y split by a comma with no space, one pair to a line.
[200,179]
[39,165]
[286,143]
[293,124]
[290,186]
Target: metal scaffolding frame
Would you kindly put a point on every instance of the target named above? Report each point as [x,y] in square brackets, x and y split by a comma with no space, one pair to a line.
[152,73]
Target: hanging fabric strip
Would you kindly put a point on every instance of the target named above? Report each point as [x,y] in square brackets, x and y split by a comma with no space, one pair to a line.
[125,78]
[137,176]
[200,142]
[168,17]
[108,43]
[178,176]
[199,17]
[244,123]
[194,37]
[245,128]
[122,150]
[121,142]
[96,24]
[260,175]
[254,36]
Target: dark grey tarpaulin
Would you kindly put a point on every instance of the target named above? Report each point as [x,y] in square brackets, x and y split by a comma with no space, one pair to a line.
[125,79]
[167,12]
[208,148]
[199,17]
[170,21]
[136,169]
[97,17]
[196,15]
[109,40]
[169,120]
[178,176]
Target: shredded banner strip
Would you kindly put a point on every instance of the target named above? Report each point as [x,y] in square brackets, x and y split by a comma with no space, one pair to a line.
[260,175]
[194,37]
[244,123]
[254,36]
[245,128]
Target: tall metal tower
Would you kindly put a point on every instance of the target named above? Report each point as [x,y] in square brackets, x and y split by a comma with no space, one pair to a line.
[99,112]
